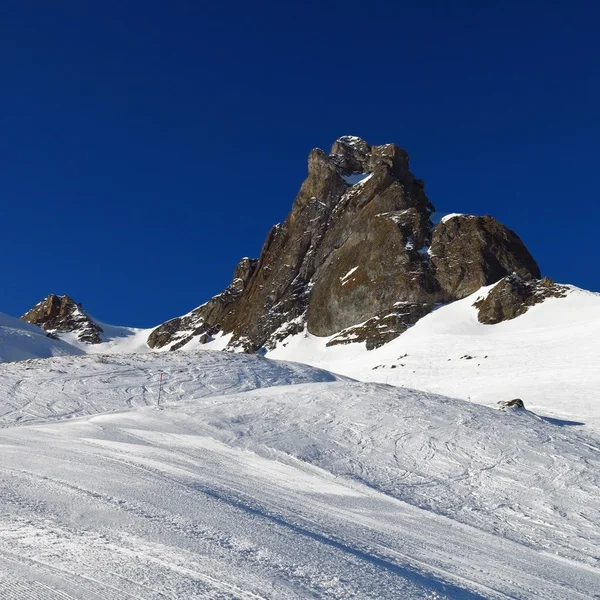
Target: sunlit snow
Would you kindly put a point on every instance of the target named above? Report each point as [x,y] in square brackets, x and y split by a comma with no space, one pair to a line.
[259,479]
[256,478]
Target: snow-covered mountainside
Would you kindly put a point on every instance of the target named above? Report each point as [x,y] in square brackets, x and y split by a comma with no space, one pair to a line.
[65,319]
[149,464]
[260,479]
[21,341]
[113,339]
[548,356]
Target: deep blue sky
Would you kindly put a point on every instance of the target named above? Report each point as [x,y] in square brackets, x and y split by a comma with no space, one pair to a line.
[147,146]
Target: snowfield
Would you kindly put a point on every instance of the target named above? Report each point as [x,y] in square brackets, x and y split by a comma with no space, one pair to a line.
[20,340]
[549,357]
[261,479]
[41,391]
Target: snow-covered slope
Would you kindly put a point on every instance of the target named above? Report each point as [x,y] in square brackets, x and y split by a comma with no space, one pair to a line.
[115,340]
[266,480]
[21,341]
[41,390]
[66,319]
[548,357]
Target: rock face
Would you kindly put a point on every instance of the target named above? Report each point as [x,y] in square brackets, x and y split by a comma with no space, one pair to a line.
[512,297]
[357,256]
[469,252]
[61,314]
[515,404]
[383,328]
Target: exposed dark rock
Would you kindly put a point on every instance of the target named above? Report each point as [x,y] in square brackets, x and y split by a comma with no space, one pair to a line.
[470,252]
[204,338]
[351,155]
[204,320]
[169,331]
[512,297]
[348,253]
[381,329]
[287,330]
[517,403]
[61,314]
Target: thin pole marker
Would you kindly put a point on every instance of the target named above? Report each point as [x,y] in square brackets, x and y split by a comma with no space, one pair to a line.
[159,388]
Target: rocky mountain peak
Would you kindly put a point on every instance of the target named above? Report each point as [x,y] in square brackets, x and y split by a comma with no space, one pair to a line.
[353,155]
[357,258]
[61,314]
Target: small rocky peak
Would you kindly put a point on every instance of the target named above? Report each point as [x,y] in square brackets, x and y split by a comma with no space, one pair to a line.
[244,270]
[241,276]
[396,159]
[323,183]
[513,295]
[61,314]
[351,155]
[516,404]
[469,252]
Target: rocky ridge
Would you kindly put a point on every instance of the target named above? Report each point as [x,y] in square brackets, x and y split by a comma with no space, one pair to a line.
[512,297]
[384,327]
[61,314]
[358,258]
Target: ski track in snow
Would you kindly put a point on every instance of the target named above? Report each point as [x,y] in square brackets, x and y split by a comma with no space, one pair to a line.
[260,479]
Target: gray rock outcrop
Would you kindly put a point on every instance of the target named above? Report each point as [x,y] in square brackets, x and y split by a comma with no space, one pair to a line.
[515,404]
[61,314]
[358,243]
[383,328]
[513,296]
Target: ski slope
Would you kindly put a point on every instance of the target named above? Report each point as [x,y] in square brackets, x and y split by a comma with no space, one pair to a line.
[549,357]
[63,388]
[260,479]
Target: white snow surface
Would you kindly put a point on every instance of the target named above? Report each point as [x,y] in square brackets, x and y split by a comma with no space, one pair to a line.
[344,279]
[261,479]
[20,341]
[116,339]
[549,357]
[357,178]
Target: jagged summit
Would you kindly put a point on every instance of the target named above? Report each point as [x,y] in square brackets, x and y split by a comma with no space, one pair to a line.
[357,254]
[61,314]
[353,155]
